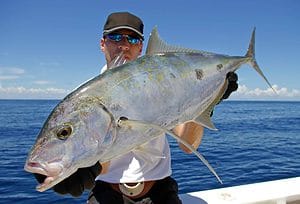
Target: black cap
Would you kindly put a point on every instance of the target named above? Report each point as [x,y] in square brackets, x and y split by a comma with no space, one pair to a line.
[123,20]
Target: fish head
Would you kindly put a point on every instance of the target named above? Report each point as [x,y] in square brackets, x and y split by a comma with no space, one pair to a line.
[74,136]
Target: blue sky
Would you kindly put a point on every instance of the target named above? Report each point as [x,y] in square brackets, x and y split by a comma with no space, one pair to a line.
[47,48]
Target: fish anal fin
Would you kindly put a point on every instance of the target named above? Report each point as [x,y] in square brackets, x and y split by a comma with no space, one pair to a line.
[205,117]
[204,120]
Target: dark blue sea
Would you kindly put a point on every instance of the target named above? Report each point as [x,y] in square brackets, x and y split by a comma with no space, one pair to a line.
[257,141]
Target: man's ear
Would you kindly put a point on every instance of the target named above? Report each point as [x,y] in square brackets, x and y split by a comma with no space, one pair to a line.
[102,41]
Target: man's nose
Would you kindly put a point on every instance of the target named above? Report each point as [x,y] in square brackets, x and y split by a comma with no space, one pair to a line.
[124,44]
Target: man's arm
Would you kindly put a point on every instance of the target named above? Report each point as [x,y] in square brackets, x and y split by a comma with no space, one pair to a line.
[190,132]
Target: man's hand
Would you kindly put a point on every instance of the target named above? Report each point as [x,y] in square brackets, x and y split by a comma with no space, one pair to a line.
[232,84]
[83,178]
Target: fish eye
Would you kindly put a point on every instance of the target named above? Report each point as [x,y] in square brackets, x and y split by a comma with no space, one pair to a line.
[64,132]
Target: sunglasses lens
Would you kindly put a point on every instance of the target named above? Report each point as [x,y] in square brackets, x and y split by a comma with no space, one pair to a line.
[133,40]
[118,37]
[115,37]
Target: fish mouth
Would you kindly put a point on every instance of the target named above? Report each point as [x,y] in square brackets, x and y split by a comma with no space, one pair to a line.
[46,174]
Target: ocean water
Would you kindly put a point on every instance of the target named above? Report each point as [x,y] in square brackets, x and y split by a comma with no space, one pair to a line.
[256,141]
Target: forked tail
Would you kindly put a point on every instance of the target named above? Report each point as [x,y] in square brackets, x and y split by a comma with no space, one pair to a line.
[251,54]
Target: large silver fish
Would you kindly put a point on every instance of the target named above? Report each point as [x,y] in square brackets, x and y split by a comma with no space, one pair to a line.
[127,106]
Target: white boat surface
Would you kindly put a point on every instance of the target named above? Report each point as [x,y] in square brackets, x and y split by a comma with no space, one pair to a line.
[284,191]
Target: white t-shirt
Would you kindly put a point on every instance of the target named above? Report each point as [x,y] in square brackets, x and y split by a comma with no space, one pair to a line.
[151,161]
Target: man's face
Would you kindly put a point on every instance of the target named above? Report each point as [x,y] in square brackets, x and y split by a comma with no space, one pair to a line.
[112,48]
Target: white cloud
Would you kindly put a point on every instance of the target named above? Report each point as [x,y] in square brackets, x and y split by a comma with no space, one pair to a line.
[243,93]
[42,82]
[20,92]
[8,77]
[281,93]
[32,93]
[10,73]
[11,70]
[16,70]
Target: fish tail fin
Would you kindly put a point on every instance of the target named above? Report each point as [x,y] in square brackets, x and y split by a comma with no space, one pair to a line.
[251,55]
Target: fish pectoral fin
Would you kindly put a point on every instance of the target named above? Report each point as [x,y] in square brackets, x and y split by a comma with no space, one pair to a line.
[190,147]
[128,122]
[148,154]
[133,125]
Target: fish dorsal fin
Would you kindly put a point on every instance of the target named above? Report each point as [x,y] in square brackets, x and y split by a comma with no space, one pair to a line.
[205,117]
[156,45]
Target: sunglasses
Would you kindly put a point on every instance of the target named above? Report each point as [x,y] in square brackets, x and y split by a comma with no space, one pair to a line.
[118,37]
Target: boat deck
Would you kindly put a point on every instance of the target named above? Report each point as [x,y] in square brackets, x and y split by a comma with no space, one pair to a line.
[285,191]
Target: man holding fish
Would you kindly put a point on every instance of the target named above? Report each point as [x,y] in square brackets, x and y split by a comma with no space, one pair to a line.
[143,174]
